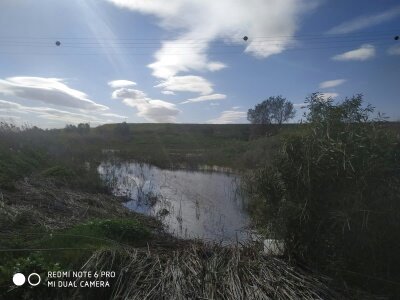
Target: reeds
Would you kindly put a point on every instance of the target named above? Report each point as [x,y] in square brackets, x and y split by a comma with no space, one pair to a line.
[206,272]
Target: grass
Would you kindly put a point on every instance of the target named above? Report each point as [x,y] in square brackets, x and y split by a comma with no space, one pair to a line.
[58,172]
[67,249]
[100,232]
[61,154]
[170,145]
[71,157]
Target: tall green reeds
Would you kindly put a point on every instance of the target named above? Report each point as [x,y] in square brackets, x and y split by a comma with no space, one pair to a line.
[333,194]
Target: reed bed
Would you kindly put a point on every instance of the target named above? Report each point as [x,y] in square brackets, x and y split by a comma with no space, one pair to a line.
[200,271]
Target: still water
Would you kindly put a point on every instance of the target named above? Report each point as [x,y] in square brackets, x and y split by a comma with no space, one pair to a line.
[191,204]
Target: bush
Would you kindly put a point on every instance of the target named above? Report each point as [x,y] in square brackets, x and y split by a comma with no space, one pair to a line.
[333,194]
[33,263]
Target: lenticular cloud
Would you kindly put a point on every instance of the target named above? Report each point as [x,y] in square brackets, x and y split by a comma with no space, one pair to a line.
[47,90]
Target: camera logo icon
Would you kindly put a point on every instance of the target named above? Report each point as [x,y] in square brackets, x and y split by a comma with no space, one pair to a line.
[19,279]
[33,279]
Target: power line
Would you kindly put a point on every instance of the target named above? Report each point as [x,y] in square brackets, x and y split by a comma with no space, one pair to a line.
[206,38]
[309,42]
[184,46]
[295,43]
[200,43]
[100,52]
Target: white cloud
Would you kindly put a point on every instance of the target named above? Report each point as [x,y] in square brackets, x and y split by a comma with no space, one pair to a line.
[9,117]
[168,92]
[326,96]
[7,105]
[365,52]
[202,22]
[216,66]
[229,116]
[116,84]
[150,109]
[331,83]
[205,98]
[47,90]
[182,55]
[128,93]
[189,83]
[365,21]
[111,115]
[236,107]
[49,113]
[214,104]
[394,50]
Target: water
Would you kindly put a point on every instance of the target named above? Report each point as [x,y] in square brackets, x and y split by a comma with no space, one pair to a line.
[190,204]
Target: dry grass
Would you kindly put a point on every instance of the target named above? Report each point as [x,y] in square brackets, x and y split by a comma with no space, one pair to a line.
[38,201]
[206,272]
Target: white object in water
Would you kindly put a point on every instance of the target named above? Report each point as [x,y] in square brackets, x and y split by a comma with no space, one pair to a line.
[274,247]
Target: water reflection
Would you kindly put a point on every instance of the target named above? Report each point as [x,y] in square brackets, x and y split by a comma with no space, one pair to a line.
[191,204]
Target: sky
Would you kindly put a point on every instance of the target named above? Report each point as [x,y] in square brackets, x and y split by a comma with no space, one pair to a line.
[186,61]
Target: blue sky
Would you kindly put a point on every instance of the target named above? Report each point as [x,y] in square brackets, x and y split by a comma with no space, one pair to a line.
[186,61]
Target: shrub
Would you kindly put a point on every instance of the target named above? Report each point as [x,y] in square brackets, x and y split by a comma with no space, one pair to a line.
[333,194]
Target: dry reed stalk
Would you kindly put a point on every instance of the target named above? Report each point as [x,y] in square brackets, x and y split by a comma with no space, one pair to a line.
[206,272]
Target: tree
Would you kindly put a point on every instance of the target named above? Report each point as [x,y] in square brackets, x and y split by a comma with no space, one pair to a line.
[274,110]
[70,128]
[83,128]
[122,129]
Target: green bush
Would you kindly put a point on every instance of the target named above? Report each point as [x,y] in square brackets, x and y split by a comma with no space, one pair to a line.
[16,163]
[33,263]
[333,195]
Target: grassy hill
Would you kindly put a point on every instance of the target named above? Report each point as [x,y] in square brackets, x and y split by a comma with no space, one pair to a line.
[239,146]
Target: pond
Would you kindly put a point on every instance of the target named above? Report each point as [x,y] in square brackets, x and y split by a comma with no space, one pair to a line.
[205,205]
